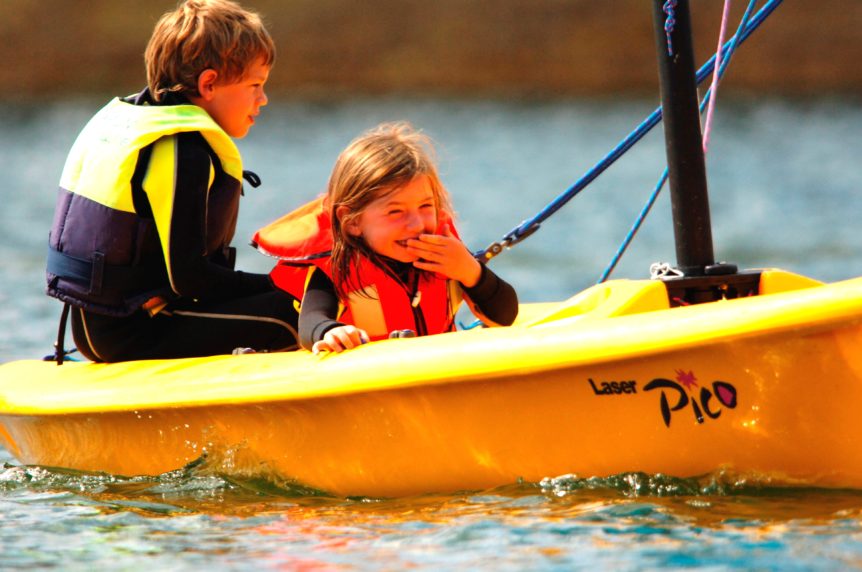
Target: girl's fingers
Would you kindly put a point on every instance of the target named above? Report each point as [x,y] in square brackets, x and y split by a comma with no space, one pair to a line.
[421,248]
[430,244]
[352,337]
[343,340]
[340,339]
[432,238]
[334,343]
[426,265]
[320,347]
[425,256]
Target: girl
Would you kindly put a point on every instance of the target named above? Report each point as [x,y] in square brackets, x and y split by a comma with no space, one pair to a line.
[378,256]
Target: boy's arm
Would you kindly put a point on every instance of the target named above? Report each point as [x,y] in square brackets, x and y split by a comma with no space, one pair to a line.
[493,299]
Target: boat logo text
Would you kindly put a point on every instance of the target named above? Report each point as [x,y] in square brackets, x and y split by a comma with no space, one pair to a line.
[681,393]
[702,403]
[613,387]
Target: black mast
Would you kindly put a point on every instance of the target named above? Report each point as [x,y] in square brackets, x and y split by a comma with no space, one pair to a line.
[683,139]
[703,280]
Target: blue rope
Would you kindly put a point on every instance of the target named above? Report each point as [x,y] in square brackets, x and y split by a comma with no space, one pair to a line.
[669,23]
[528,227]
[726,54]
[635,227]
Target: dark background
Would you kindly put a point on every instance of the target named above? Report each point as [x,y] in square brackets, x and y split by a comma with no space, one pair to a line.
[342,48]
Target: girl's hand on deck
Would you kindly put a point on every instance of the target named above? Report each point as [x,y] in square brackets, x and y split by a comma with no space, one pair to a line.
[341,338]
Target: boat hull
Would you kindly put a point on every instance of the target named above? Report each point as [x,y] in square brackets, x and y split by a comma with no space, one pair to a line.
[768,387]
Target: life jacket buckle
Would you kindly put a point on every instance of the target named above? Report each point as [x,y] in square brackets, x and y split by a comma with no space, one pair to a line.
[154,305]
[401,334]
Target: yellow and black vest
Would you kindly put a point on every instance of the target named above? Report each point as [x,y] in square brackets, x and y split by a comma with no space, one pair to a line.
[109,242]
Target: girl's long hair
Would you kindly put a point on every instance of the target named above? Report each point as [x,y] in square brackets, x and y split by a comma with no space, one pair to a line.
[375,164]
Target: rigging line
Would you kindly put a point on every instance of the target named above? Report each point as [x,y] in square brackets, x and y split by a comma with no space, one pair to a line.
[528,227]
[654,195]
[715,76]
[669,23]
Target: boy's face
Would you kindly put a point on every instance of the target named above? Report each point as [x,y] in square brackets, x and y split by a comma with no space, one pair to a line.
[234,105]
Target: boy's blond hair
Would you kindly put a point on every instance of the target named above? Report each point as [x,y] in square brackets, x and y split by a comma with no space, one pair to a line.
[201,35]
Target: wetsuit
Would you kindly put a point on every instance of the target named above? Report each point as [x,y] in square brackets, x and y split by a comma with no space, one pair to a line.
[145,258]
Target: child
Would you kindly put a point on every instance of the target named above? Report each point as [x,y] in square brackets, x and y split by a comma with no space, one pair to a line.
[148,203]
[383,253]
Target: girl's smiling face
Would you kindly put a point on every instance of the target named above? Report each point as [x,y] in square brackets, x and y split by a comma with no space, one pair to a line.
[389,221]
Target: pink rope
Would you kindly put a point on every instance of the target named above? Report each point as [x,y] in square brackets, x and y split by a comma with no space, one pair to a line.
[713,90]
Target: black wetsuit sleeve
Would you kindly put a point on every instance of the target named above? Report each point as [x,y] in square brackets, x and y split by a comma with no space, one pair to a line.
[194,273]
[318,311]
[494,298]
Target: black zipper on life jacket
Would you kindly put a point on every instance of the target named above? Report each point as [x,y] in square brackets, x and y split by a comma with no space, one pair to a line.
[414,295]
[415,299]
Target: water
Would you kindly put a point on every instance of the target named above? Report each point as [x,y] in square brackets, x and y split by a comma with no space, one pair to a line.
[784,189]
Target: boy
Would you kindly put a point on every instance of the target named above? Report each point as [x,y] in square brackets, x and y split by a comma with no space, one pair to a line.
[149,196]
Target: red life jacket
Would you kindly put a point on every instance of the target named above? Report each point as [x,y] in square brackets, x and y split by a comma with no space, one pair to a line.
[382,303]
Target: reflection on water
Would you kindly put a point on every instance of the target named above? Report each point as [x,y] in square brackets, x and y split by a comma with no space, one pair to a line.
[629,521]
[785,183]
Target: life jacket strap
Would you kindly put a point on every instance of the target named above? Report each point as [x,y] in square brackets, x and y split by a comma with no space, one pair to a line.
[252,178]
[60,352]
[96,272]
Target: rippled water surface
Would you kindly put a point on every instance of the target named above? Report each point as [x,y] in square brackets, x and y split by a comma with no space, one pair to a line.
[785,184]
[632,521]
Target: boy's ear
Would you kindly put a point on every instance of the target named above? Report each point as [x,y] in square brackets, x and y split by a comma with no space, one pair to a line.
[206,83]
[351,225]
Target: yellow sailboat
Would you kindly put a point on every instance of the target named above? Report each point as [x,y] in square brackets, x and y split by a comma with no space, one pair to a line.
[612,380]
[756,372]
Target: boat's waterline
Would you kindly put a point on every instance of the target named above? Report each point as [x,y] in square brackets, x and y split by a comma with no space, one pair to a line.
[766,385]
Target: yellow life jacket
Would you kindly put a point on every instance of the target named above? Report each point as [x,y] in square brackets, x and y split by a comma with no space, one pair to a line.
[105,256]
